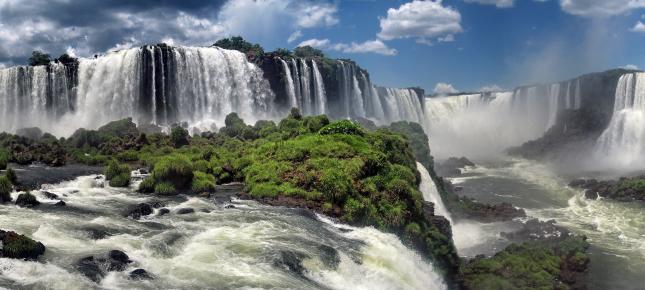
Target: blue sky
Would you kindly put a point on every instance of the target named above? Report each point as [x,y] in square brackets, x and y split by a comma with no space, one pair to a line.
[465,44]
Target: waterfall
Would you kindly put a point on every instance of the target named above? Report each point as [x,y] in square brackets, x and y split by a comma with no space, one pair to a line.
[554,104]
[153,84]
[431,193]
[319,86]
[305,87]
[31,96]
[623,141]
[402,105]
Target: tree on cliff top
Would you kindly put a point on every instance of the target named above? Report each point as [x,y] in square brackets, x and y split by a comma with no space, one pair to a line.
[308,51]
[238,43]
[39,58]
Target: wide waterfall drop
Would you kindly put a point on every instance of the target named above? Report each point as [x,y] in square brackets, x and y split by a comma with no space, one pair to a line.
[402,105]
[623,141]
[430,193]
[484,125]
[35,96]
[153,84]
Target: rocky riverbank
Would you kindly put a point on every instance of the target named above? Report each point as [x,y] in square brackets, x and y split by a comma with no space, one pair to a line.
[624,189]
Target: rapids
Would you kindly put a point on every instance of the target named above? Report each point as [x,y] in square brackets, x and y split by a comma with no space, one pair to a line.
[225,243]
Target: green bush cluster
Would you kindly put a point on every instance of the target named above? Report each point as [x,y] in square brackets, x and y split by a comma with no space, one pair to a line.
[117,174]
[531,265]
[4,159]
[342,127]
[5,189]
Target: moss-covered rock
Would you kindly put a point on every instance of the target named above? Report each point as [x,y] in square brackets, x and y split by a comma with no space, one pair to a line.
[27,200]
[17,246]
[623,189]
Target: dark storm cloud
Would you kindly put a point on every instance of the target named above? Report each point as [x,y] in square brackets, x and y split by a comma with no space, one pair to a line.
[86,27]
[90,26]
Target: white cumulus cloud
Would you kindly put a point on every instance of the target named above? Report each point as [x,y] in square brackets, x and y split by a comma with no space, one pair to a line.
[491,88]
[444,89]
[638,27]
[631,67]
[421,20]
[498,3]
[371,46]
[600,8]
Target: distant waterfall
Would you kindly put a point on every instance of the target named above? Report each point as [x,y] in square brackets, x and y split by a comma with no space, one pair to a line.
[402,105]
[304,86]
[153,84]
[623,141]
[319,88]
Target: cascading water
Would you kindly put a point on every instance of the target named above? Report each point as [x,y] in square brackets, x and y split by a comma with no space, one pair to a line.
[319,88]
[157,84]
[623,142]
[245,246]
[430,193]
[484,125]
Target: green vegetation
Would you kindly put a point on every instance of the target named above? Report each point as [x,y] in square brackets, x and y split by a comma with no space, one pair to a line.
[4,159]
[5,189]
[117,174]
[238,43]
[39,58]
[531,265]
[11,175]
[179,136]
[308,52]
[17,246]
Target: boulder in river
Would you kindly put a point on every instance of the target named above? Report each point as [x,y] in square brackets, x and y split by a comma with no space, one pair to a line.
[96,267]
[185,211]
[18,246]
[139,210]
[140,274]
[27,200]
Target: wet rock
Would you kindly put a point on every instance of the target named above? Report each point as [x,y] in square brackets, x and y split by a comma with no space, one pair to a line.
[229,206]
[50,195]
[163,211]
[140,274]
[623,189]
[96,233]
[536,230]
[143,171]
[185,211]
[60,203]
[139,210]
[90,269]
[291,261]
[453,166]
[329,256]
[205,210]
[96,267]
[117,260]
[27,200]
[18,246]
[204,195]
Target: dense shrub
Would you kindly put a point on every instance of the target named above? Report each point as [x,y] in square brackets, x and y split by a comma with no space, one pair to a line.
[11,175]
[117,174]
[5,189]
[4,159]
[179,136]
[174,169]
[342,127]
[39,58]
[147,185]
[203,182]
[165,188]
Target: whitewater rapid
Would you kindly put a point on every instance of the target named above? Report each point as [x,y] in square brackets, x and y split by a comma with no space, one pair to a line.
[229,244]
[615,230]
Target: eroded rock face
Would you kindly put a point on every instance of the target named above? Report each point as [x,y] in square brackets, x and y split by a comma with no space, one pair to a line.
[18,246]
